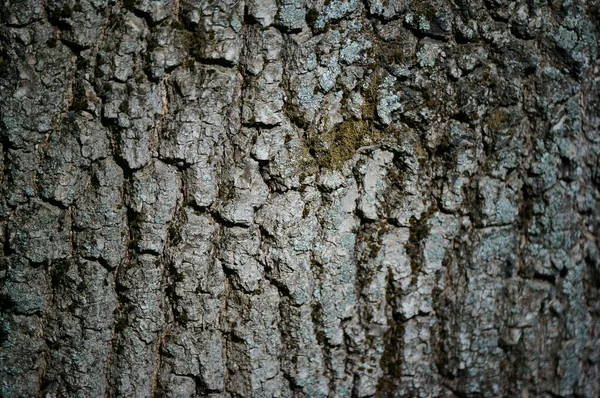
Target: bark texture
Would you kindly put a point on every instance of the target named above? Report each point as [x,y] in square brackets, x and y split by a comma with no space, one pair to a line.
[299,198]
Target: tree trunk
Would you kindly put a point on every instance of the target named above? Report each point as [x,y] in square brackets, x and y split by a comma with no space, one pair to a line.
[299,198]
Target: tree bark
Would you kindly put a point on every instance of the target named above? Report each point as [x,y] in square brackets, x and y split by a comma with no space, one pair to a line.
[299,198]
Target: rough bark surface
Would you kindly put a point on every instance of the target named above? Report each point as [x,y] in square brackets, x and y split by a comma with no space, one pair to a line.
[287,198]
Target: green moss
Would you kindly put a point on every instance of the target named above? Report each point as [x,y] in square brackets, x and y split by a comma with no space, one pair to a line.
[388,53]
[499,119]
[196,43]
[370,96]
[339,145]
[424,11]
[374,239]
[373,247]
[177,25]
[345,140]
[398,51]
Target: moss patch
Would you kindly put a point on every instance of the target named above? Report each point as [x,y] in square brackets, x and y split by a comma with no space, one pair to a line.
[197,42]
[369,109]
[337,146]
[499,119]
